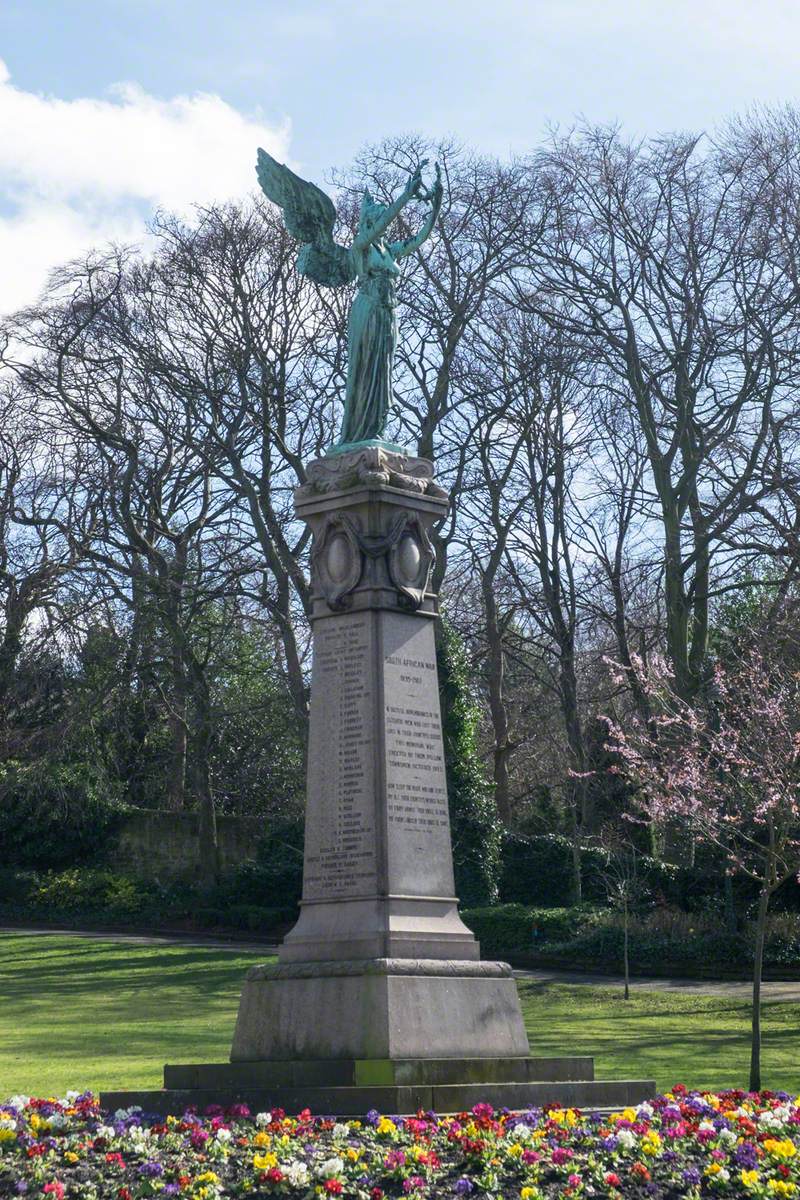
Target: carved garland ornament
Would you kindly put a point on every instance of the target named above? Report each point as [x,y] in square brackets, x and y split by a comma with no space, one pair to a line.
[340,550]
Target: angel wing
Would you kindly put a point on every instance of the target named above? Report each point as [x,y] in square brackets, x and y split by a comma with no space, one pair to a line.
[309,215]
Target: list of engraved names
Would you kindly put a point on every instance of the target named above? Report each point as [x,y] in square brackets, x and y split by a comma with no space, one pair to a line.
[340,854]
[416,786]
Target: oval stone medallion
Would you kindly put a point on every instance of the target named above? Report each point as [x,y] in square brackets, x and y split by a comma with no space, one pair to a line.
[409,558]
[339,558]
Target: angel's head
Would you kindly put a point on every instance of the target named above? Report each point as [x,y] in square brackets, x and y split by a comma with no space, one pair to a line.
[371,211]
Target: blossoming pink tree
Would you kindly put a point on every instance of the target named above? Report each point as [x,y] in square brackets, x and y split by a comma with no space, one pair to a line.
[726,769]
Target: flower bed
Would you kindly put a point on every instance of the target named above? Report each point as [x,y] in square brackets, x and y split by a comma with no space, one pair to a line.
[679,1145]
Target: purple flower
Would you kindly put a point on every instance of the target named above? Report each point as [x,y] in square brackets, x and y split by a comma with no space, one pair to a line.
[373,1117]
[151,1169]
[746,1156]
[464,1186]
[691,1176]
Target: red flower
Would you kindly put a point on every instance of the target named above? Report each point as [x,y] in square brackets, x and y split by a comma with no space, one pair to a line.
[54,1189]
[641,1171]
[376,1194]
[613,1180]
[125,1194]
[333,1187]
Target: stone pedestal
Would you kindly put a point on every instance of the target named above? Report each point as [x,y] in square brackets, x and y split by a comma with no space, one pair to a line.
[379,998]
[379,964]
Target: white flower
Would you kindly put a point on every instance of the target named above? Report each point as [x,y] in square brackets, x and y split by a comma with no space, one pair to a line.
[644,1110]
[19,1101]
[295,1173]
[72,1095]
[56,1120]
[138,1133]
[224,1135]
[521,1133]
[331,1166]
[264,1118]
[122,1114]
[626,1139]
[723,1176]
[106,1131]
[728,1135]
[340,1132]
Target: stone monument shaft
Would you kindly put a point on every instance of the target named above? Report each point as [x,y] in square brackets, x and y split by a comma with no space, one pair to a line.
[378,870]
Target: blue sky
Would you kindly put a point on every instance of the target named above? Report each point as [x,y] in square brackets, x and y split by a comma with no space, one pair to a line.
[110,107]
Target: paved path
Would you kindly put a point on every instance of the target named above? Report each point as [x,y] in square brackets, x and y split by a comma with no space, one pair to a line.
[737,989]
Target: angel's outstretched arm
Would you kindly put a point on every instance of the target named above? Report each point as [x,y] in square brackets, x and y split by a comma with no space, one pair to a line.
[394,209]
[401,249]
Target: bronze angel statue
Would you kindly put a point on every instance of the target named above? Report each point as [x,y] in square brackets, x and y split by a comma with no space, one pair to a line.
[372,260]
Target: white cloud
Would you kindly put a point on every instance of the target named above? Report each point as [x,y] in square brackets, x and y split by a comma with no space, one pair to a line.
[81,173]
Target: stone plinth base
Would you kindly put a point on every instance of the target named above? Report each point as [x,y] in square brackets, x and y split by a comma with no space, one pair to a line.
[382,1008]
[353,1087]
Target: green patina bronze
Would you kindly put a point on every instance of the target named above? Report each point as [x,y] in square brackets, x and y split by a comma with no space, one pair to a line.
[373,261]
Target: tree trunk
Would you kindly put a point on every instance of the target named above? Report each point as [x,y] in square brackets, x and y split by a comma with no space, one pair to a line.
[625,961]
[179,737]
[576,888]
[10,647]
[497,702]
[755,1044]
[201,780]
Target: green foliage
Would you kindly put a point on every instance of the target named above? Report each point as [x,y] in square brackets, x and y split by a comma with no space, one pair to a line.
[474,822]
[258,762]
[101,896]
[54,813]
[514,929]
[536,870]
[279,859]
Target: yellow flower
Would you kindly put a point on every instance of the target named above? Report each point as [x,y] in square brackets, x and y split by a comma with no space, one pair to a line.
[565,1116]
[713,1169]
[514,1151]
[749,1178]
[207,1177]
[781,1150]
[529,1193]
[651,1143]
[71,1157]
[262,1139]
[386,1126]
[354,1155]
[263,1162]
[7,1134]
[781,1187]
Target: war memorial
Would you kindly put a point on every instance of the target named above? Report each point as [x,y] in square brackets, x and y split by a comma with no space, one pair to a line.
[379,998]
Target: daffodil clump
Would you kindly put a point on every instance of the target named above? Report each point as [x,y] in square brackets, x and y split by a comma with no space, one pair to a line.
[682,1144]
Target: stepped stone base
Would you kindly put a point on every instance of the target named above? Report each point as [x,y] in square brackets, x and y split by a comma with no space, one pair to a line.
[353,1087]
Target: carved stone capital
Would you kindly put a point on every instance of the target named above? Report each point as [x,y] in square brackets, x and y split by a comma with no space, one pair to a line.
[369,466]
[371,512]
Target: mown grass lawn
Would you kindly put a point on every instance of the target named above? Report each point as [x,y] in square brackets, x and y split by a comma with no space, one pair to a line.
[81,1013]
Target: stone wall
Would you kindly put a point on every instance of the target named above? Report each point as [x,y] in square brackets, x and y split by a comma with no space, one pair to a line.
[165,845]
